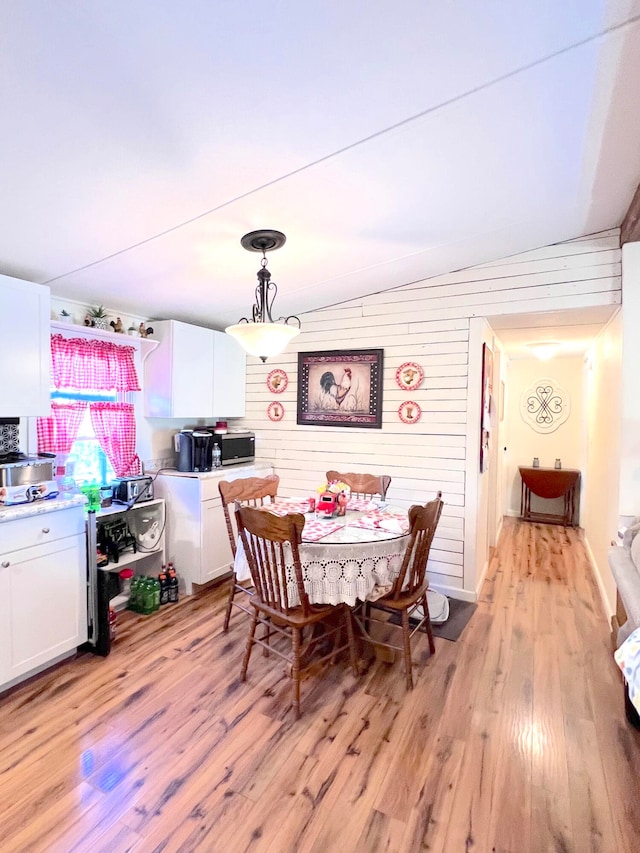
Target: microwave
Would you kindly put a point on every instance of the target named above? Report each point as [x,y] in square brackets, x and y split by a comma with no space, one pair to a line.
[236,447]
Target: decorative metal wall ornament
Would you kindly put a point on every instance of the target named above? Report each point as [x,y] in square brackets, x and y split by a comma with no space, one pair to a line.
[545,405]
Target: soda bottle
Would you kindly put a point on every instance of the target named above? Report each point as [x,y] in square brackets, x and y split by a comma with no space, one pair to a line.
[148,596]
[155,583]
[112,624]
[173,584]
[164,586]
[134,595]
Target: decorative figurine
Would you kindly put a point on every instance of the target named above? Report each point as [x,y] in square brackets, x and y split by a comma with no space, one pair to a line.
[117,325]
[326,504]
[343,500]
[145,332]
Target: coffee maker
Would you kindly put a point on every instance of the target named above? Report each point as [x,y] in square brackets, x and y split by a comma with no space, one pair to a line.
[194,450]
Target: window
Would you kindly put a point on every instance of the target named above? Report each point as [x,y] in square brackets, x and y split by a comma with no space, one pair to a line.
[87,462]
[92,425]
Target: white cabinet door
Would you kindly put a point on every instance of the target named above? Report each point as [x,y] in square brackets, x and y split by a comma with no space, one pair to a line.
[216,558]
[178,373]
[26,352]
[44,604]
[194,373]
[229,377]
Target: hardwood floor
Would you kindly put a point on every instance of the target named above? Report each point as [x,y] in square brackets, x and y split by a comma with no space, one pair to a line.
[514,738]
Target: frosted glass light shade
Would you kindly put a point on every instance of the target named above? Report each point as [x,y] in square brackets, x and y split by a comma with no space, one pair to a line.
[263,339]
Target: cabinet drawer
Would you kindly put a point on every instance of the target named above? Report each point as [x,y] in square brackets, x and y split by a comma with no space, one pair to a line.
[41,528]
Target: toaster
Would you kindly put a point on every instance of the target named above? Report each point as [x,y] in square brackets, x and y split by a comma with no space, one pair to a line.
[130,490]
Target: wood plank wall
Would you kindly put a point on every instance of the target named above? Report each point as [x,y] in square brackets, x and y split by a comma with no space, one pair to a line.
[427,322]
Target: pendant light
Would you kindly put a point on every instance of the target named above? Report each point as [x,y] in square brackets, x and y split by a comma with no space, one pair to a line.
[261,335]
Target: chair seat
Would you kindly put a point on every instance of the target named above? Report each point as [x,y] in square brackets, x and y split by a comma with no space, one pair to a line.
[403,601]
[295,616]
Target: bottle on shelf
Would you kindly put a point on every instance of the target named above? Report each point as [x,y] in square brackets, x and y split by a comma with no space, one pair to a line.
[163,577]
[148,596]
[112,624]
[155,585]
[135,595]
[173,584]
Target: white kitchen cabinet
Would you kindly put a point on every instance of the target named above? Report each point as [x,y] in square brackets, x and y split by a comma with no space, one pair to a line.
[197,538]
[26,351]
[43,576]
[194,373]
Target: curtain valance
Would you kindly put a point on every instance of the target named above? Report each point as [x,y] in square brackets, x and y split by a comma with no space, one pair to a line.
[92,365]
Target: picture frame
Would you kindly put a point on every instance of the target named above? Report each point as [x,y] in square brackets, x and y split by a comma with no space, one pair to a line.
[340,388]
[485,407]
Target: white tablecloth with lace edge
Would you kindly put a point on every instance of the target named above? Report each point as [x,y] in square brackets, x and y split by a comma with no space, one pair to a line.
[349,564]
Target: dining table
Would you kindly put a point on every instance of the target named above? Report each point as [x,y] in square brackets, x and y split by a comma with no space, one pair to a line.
[344,559]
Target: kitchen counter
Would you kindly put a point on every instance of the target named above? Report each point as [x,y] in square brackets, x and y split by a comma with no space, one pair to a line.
[9,513]
[217,473]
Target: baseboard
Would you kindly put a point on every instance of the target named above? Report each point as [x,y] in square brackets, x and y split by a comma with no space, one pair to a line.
[609,609]
[454,592]
[483,575]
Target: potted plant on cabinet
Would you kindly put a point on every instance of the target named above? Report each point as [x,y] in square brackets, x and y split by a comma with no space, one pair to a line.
[65,317]
[98,317]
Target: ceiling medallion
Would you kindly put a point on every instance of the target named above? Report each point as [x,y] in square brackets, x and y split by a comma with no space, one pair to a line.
[261,335]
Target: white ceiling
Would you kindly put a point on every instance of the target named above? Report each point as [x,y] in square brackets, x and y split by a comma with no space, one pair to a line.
[572,330]
[390,142]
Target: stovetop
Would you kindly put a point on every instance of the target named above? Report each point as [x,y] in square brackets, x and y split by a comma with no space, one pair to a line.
[12,456]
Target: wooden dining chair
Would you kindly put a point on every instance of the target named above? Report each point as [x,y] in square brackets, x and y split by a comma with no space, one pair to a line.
[409,590]
[253,491]
[271,545]
[363,485]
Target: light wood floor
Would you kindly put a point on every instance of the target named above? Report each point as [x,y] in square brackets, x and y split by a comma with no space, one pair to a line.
[514,738]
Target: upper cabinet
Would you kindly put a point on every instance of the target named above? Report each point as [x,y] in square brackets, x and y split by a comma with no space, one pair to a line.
[194,373]
[25,370]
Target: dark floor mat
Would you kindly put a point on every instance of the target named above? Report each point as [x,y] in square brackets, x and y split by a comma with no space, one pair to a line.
[459,614]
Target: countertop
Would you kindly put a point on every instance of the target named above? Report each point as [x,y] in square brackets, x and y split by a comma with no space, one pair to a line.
[10,513]
[217,473]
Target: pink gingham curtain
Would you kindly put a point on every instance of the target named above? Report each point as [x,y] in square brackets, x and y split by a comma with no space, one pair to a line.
[57,433]
[115,427]
[91,365]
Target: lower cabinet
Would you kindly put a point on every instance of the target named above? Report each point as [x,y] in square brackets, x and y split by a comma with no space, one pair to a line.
[43,608]
[197,538]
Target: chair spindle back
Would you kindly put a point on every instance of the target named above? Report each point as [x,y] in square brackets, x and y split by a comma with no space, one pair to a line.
[363,485]
[423,521]
[253,491]
[271,545]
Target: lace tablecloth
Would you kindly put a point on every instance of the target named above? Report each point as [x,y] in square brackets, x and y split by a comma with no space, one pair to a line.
[349,564]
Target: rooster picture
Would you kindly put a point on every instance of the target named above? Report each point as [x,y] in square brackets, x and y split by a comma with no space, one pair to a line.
[337,390]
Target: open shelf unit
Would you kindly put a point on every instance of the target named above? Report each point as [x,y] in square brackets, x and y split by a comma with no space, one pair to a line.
[147,562]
